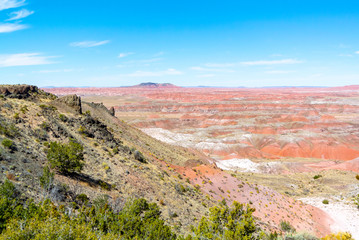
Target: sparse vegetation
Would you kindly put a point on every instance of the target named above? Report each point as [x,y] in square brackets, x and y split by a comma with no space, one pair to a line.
[317,176]
[356,200]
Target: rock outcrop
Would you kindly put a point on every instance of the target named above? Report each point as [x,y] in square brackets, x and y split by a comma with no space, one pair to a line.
[73,101]
[18,91]
[112,111]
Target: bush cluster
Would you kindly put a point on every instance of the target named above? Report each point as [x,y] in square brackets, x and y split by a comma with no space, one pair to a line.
[66,158]
[137,220]
[8,130]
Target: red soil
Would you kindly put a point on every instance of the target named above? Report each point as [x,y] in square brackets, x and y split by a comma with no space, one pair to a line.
[270,206]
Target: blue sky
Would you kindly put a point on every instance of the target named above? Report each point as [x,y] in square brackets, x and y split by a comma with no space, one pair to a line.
[187,43]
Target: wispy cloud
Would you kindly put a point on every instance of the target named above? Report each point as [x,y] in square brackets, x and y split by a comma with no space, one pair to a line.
[167,72]
[271,62]
[23,13]
[150,60]
[278,72]
[140,62]
[202,69]
[7,4]
[88,44]
[221,65]
[357,52]
[58,70]
[122,55]
[254,63]
[344,45]
[205,75]
[11,27]
[24,59]
[158,54]
[345,55]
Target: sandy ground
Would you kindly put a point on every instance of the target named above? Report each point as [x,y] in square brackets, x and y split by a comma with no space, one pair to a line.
[344,213]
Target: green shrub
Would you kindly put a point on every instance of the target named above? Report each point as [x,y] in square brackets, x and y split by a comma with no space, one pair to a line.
[82,130]
[45,126]
[16,116]
[356,200]
[7,190]
[227,223]
[286,227]
[357,176]
[47,179]
[325,201]
[63,117]
[317,176]
[139,156]
[66,158]
[115,150]
[7,143]
[8,130]
[47,107]
[24,109]
[82,198]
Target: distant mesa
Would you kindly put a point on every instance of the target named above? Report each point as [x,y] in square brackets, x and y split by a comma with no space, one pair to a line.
[156,85]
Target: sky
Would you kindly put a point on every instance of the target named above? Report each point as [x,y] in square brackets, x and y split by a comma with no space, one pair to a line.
[238,43]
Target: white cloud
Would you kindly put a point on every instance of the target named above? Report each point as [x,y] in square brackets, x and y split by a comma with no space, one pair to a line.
[7,4]
[11,27]
[254,63]
[88,44]
[170,71]
[150,60]
[278,72]
[345,55]
[357,52]
[23,59]
[23,13]
[271,62]
[158,54]
[58,71]
[344,45]
[221,65]
[205,75]
[122,55]
[211,69]
[140,62]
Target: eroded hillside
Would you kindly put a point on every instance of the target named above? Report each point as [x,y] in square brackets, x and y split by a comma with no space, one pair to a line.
[31,119]
[277,138]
